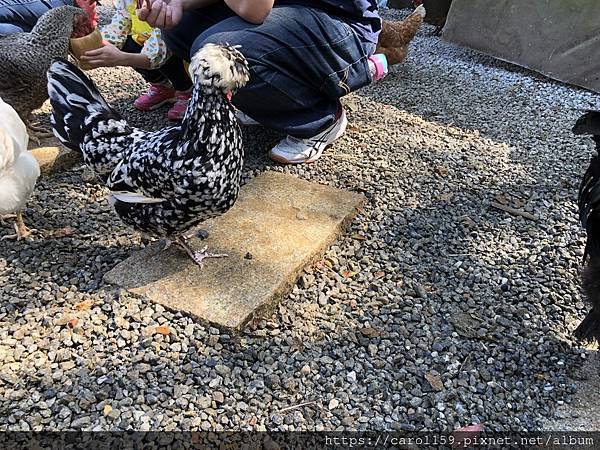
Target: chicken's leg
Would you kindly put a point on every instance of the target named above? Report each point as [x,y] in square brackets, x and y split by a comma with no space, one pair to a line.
[36,132]
[197,256]
[21,229]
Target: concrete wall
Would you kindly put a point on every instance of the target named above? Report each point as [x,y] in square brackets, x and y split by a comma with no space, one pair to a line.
[558,38]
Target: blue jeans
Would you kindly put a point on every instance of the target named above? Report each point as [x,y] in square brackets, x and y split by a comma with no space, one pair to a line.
[302,60]
[17,16]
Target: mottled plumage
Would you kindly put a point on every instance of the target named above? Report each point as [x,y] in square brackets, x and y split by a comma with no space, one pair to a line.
[589,215]
[162,182]
[25,58]
[395,37]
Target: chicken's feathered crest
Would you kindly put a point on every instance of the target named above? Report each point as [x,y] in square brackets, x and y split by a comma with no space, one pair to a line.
[222,66]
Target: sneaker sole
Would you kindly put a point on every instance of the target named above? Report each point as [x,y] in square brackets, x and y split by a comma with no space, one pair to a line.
[170,101]
[282,160]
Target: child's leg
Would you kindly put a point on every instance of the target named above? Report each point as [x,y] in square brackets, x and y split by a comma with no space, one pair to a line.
[152,76]
[160,93]
[175,71]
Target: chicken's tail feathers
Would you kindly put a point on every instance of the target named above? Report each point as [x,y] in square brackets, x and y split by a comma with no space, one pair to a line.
[589,328]
[76,103]
[420,11]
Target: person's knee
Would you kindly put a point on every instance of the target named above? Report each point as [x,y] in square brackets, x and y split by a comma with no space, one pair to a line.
[234,38]
[9,28]
[210,38]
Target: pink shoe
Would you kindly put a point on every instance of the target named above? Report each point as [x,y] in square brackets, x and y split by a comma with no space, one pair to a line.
[157,95]
[177,111]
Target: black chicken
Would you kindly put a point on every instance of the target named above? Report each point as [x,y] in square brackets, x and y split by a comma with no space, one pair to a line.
[589,215]
[167,181]
[437,11]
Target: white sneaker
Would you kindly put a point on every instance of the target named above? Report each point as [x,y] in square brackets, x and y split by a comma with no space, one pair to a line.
[245,119]
[293,150]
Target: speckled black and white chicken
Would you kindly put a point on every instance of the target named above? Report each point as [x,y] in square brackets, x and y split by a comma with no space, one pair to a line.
[25,58]
[589,215]
[167,181]
[19,170]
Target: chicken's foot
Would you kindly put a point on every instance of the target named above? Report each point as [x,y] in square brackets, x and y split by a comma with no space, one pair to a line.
[197,256]
[38,128]
[5,217]
[37,132]
[21,230]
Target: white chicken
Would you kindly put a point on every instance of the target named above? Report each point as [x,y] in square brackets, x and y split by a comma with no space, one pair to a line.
[19,170]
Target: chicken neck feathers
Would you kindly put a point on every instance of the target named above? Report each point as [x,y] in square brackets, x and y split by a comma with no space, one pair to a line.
[25,58]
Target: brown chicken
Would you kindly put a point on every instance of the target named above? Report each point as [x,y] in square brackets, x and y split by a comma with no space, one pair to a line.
[26,57]
[396,36]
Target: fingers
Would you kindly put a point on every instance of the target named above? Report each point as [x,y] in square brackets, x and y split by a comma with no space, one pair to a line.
[155,10]
[169,18]
[96,58]
[93,63]
[144,9]
[160,20]
[176,13]
[160,13]
[94,53]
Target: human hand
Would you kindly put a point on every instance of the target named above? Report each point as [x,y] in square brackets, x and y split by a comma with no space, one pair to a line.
[160,13]
[106,56]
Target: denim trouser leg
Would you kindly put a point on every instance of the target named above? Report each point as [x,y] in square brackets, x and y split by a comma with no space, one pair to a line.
[22,15]
[302,61]
[9,28]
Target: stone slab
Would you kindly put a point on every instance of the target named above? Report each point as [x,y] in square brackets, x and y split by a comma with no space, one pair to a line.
[52,156]
[279,225]
[557,38]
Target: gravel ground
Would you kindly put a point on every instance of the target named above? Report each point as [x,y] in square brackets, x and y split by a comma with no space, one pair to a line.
[583,414]
[435,311]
